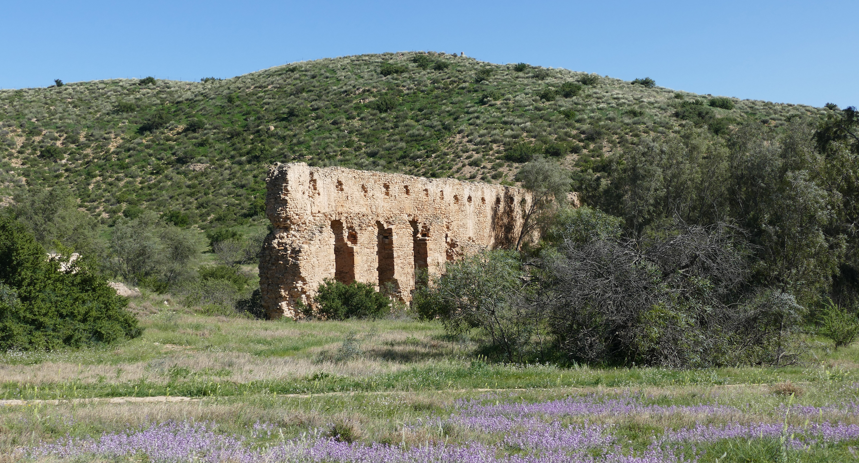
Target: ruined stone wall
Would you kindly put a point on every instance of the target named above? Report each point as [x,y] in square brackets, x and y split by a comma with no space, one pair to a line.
[375,228]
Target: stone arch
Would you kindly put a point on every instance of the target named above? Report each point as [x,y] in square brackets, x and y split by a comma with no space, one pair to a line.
[420,251]
[344,253]
[385,256]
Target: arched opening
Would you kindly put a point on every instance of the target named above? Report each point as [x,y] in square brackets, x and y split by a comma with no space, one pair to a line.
[344,254]
[385,254]
[420,238]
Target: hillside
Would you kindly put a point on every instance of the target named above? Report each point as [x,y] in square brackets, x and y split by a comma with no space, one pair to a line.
[202,148]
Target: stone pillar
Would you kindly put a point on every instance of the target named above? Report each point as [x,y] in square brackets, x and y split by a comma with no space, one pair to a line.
[404,261]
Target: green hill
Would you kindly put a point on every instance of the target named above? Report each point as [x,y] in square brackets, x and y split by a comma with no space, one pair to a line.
[202,148]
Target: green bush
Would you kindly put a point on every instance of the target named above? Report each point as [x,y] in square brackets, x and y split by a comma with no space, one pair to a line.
[146,81]
[388,69]
[568,114]
[519,67]
[221,234]
[647,82]
[695,112]
[156,121]
[483,292]
[176,218]
[721,102]
[339,301]
[125,107]
[838,324]
[482,75]
[440,65]
[383,104]
[540,74]
[520,152]
[548,94]
[225,273]
[570,89]
[590,79]
[422,61]
[52,153]
[58,82]
[43,308]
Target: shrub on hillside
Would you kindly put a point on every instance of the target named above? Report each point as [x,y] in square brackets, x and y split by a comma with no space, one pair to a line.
[520,152]
[570,89]
[146,81]
[422,61]
[440,65]
[383,104]
[695,112]
[125,107]
[721,102]
[519,67]
[52,153]
[339,301]
[548,94]
[589,79]
[156,121]
[482,75]
[647,82]
[388,69]
[44,308]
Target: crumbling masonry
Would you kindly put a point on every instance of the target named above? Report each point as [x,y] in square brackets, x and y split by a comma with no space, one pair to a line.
[375,228]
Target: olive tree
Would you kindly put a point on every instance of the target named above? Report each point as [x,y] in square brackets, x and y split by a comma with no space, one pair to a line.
[549,185]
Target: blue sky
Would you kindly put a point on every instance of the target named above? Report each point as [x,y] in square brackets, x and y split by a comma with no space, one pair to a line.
[784,51]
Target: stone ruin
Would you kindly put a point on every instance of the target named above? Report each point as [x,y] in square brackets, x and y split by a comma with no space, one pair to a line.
[377,228]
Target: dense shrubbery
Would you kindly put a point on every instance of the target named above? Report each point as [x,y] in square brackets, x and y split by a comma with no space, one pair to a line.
[721,102]
[42,307]
[388,69]
[700,253]
[339,301]
[647,82]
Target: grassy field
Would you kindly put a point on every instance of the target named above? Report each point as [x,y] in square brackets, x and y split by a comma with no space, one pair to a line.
[330,391]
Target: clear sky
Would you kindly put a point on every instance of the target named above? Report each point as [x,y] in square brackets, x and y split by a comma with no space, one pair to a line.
[785,51]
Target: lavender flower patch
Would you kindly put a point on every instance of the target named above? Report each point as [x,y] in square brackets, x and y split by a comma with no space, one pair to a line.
[505,432]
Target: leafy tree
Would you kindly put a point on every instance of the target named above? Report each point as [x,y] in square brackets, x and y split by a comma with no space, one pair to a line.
[519,67]
[838,128]
[52,216]
[58,82]
[549,185]
[146,250]
[146,81]
[42,307]
[483,292]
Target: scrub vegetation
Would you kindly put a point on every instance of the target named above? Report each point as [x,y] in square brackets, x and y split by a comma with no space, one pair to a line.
[694,295]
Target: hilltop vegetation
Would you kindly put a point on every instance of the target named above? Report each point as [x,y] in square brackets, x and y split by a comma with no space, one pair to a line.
[199,150]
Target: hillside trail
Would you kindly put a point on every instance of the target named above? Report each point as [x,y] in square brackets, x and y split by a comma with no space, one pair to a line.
[169,399]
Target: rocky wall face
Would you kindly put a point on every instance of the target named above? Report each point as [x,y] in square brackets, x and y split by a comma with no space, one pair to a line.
[378,228]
